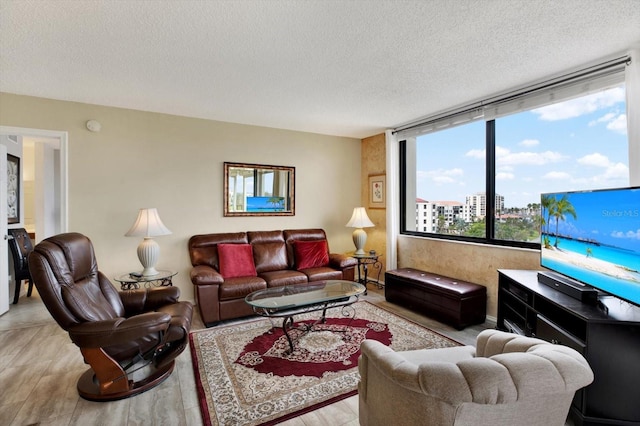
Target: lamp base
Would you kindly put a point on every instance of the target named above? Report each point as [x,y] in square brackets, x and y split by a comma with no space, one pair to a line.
[148,272]
[359,239]
[148,254]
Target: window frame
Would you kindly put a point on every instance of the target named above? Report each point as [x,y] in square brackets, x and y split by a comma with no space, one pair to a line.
[491,109]
[490,191]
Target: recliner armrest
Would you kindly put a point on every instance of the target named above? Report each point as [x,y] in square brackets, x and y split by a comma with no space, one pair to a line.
[382,358]
[118,331]
[148,299]
[422,371]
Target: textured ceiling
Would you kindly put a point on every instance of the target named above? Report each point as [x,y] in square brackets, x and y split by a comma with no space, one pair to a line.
[348,68]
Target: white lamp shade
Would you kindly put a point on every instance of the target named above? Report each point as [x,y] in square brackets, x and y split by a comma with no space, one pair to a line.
[359,220]
[148,225]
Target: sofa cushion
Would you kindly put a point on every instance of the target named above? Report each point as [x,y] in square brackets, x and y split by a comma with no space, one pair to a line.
[293,235]
[269,250]
[283,277]
[240,287]
[322,274]
[270,256]
[236,260]
[203,249]
[311,254]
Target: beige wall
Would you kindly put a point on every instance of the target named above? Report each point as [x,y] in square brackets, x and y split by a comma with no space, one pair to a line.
[374,163]
[143,159]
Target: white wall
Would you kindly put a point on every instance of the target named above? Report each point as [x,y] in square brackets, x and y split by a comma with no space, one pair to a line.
[45,203]
[142,159]
[28,185]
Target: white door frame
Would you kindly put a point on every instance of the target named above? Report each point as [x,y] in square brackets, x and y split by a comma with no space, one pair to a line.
[64,178]
[4,248]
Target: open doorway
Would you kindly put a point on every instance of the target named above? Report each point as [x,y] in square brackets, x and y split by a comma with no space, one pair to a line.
[43,184]
[43,157]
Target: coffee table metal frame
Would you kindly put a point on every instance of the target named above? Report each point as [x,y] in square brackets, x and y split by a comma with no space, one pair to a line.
[287,301]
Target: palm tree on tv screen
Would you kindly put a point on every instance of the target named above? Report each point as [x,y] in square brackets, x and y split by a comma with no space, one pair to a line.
[560,209]
[276,201]
[547,204]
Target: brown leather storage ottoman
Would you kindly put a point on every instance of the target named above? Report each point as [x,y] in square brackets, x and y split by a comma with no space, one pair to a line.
[455,302]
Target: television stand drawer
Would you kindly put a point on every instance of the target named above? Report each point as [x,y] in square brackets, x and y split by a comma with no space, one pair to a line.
[547,330]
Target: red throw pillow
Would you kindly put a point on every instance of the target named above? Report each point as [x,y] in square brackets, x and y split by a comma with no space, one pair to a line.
[236,260]
[311,254]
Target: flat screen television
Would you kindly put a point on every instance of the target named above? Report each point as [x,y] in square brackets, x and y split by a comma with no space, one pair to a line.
[593,237]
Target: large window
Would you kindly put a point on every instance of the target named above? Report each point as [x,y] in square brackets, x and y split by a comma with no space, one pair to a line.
[482,180]
[450,172]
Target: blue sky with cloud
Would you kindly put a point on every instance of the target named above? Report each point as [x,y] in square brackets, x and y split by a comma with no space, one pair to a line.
[573,145]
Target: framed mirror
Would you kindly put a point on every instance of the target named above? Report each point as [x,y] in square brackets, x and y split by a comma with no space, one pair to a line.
[259,190]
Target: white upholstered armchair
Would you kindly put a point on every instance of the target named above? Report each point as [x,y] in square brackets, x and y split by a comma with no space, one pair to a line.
[505,380]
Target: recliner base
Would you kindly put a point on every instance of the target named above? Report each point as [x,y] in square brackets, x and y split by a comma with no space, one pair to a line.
[89,387]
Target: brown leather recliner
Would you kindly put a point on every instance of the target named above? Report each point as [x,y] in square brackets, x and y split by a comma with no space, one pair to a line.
[118,333]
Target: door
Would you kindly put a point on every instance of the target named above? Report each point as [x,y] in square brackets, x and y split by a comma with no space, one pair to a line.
[4,247]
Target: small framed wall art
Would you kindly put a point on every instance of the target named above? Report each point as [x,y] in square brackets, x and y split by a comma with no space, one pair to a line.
[13,189]
[377,192]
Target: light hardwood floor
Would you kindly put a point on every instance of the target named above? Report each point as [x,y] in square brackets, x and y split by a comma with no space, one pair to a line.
[39,367]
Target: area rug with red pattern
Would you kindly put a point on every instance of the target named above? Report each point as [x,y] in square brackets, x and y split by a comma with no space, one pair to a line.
[246,373]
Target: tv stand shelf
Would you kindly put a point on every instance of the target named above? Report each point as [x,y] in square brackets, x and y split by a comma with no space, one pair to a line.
[607,335]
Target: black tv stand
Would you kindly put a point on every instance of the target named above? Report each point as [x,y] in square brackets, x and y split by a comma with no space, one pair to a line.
[606,333]
[602,307]
[575,289]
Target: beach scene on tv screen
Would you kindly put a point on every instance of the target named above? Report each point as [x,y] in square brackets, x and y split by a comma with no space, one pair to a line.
[594,237]
[265,204]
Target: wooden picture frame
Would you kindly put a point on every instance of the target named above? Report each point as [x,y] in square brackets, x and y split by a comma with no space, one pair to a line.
[13,189]
[259,190]
[377,192]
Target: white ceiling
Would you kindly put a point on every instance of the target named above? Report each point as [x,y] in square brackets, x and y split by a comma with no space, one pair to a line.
[348,68]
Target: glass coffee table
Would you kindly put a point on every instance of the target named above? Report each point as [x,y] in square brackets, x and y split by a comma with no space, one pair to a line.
[287,301]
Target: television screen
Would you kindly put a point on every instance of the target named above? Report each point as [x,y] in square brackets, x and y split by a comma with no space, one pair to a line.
[594,237]
[265,204]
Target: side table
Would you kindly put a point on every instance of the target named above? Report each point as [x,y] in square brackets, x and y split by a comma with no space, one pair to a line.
[364,260]
[130,282]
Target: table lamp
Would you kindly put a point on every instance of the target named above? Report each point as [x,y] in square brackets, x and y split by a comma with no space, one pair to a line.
[359,220]
[148,225]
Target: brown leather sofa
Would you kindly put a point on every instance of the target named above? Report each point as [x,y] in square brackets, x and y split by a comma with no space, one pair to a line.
[277,256]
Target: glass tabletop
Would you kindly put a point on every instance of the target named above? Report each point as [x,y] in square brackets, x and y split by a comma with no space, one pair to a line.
[161,275]
[296,296]
[366,255]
